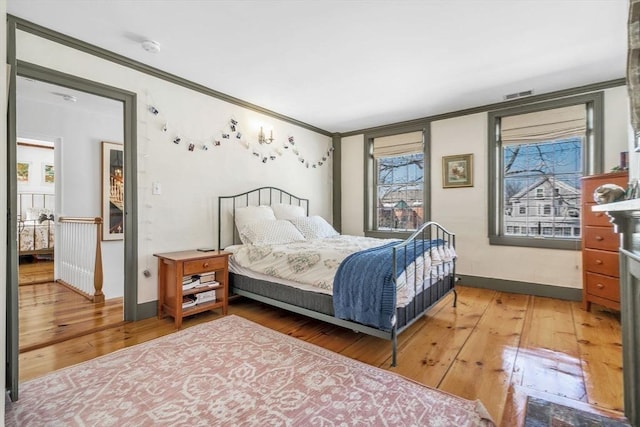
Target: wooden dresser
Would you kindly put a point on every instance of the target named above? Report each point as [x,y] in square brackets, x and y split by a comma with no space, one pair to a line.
[600,269]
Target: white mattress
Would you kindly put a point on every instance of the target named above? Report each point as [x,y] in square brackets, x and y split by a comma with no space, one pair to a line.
[311,265]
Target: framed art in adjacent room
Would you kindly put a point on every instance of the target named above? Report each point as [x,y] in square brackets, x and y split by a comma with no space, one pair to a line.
[112,191]
[22,170]
[48,176]
[457,171]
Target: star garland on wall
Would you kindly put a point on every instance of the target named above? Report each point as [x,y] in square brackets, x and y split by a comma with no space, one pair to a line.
[232,131]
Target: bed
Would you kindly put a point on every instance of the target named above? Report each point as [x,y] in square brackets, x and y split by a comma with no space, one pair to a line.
[36,227]
[421,268]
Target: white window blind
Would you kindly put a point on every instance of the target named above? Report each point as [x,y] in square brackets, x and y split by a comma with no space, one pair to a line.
[398,145]
[547,125]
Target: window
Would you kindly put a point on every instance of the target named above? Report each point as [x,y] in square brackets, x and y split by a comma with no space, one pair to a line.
[538,153]
[395,201]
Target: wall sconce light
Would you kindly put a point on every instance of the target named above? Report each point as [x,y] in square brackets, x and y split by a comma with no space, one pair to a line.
[262,139]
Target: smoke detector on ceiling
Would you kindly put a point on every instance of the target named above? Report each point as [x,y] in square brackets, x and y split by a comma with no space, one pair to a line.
[151,46]
[517,95]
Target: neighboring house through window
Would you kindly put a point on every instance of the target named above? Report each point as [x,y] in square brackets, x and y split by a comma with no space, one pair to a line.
[396,176]
[538,153]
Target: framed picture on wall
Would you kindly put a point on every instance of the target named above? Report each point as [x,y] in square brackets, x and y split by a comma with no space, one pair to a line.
[47,173]
[457,171]
[22,169]
[112,191]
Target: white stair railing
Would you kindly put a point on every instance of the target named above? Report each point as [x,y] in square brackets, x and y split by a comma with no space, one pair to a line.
[79,256]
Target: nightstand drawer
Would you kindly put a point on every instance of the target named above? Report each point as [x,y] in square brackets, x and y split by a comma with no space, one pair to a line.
[602,262]
[601,238]
[204,265]
[603,286]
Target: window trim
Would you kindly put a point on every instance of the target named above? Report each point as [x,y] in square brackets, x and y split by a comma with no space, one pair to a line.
[592,164]
[370,182]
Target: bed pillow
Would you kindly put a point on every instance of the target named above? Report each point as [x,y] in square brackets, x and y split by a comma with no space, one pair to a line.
[33,214]
[270,232]
[283,211]
[314,227]
[250,214]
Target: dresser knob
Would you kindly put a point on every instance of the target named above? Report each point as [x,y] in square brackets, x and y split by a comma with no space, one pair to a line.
[600,286]
[599,214]
[599,238]
[205,265]
[598,261]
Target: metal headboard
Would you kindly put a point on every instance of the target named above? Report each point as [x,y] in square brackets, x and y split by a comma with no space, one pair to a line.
[227,205]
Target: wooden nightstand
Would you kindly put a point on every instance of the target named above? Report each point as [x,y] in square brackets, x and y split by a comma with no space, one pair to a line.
[174,268]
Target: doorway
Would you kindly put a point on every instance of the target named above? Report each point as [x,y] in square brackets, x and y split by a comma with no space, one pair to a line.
[128,265]
[59,176]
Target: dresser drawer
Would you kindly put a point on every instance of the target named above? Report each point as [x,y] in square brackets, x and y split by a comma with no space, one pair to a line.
[589,184]
[603,286]
[600,219]
[601,238]
[204,265]
[603,262]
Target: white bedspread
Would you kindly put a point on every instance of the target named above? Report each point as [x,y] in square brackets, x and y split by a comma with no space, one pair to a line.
[314,263]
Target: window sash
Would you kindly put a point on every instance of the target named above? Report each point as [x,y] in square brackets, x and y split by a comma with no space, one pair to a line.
[593,162]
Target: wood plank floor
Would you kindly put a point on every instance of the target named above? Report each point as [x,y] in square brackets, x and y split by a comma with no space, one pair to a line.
[49,313]
[35,272]
[494,346]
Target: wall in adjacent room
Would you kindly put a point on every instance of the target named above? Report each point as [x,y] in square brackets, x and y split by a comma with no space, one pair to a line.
[465,210]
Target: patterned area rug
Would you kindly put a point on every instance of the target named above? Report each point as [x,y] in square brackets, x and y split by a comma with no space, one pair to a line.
[542,413]
[233,372]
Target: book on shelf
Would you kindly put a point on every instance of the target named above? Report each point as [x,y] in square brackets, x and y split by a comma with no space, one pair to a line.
[206,296]
[208,276]
[188,301]
[209,284]
[190,285]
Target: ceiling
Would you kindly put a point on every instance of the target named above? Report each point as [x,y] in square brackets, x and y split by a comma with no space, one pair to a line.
[58,96]
[344,65]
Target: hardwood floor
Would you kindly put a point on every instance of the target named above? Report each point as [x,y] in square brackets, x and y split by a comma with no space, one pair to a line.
[35,272]
[50,313]
[497,347]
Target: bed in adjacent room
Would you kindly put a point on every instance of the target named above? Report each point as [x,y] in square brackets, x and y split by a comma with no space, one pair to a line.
[284,257]
[35,224]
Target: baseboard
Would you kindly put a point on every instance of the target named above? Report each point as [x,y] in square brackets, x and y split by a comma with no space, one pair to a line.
[146,310]
[516,287]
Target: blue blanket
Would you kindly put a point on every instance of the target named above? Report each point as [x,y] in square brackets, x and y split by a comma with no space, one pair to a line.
[363,289]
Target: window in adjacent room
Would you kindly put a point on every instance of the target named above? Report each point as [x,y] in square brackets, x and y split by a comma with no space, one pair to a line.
[539,152]
[395,166]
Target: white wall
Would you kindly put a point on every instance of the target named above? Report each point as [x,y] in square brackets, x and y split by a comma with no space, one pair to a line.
[184,215]
[37,157]
[3,197]
[78,131]
[352,197]
[465,210]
